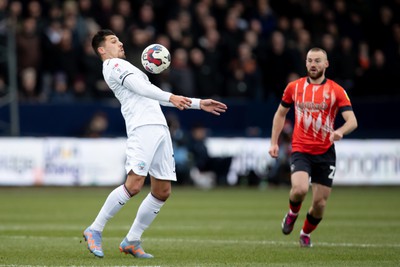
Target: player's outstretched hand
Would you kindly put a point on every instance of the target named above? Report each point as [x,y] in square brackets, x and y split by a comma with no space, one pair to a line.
[213,106]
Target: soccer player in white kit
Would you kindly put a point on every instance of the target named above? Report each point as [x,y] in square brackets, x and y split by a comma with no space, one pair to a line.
[149,147]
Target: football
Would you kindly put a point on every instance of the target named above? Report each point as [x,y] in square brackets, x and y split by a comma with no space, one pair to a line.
[156,58]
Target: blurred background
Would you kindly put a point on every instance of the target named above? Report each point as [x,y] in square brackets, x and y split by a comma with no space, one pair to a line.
[61,125]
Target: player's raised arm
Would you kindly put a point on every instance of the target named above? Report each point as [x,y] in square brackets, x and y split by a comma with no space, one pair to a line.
[208,105]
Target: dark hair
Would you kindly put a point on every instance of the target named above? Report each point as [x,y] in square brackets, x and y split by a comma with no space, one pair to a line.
[99,38]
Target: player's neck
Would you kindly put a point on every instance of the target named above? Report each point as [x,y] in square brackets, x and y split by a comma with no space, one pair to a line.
[319,80]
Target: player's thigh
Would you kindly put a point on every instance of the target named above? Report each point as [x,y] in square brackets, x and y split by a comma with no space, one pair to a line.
[300,167]
[163,163]
[323,168]
[300,182]
[142,145]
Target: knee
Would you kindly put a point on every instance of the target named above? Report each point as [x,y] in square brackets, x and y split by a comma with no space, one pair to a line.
[299,191]
[133,188]
[162,194]
[134,184]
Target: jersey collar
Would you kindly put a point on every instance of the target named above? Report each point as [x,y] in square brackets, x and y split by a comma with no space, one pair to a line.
[309,81]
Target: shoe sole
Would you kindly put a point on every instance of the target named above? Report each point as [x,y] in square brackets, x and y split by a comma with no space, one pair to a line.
[127,252]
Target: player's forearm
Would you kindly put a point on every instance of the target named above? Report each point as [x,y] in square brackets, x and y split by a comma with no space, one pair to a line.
[349,126]
[350,123]
[195,103]
[277,126]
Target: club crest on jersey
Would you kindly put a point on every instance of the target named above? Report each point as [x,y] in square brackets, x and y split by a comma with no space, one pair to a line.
[141,165]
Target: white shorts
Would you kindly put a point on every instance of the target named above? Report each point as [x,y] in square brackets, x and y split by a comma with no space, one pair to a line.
[149,151]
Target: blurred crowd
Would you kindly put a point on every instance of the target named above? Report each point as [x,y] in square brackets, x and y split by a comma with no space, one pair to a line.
[236,49]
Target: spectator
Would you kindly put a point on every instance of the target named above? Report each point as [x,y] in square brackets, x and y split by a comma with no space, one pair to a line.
[188,32]
[80,90]
[75,23]
[97,126]
[29,46]
[183,160]
[15,11]
[346,63]
[328,43]
[67,57]
[139,39]
[29,86]
[205,76]
[91,65]
[61,90]
[218,27]
[124,9]
[277,65]
[207,171]
[146,20]
[118,25]
[245,81]
[181,74]
[86,8]
[267,18]
[375,81]
[210,45]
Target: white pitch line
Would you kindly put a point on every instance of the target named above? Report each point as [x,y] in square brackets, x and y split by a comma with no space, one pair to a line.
[225,241]
[16,265]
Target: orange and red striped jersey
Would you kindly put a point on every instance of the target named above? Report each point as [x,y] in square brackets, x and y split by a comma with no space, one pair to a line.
[316,106]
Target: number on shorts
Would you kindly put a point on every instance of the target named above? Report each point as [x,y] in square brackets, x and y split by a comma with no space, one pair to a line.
[332,173]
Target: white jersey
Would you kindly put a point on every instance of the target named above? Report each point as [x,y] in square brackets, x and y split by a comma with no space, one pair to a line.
[140,99]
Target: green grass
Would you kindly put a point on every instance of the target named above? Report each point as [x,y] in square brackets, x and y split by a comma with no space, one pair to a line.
[220,227]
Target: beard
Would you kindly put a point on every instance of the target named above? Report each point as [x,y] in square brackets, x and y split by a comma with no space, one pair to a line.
[315,75]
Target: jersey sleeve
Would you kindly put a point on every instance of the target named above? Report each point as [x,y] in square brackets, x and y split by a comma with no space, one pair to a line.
[342,97]
[287,97]
[118,70]
[122,73]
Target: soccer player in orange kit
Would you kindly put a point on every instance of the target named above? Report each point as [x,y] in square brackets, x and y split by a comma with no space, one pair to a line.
[316,100]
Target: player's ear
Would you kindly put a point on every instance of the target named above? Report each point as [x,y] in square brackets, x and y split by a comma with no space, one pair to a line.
[326,64]
[101,50]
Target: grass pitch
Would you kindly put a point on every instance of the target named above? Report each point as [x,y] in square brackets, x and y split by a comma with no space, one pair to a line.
[220,227]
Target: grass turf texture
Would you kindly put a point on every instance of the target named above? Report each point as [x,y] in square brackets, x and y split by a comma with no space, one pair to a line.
[220,227]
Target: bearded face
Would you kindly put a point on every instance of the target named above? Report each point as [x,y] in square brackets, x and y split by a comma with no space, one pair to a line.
[314,74]
[316,64]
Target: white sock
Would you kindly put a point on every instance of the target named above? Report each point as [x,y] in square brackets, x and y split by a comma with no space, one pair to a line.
[292,213]
[146,214]
[114,202]
[302,233]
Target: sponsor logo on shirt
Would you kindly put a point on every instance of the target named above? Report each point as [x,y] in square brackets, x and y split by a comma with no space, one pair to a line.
[123,75]
[311,106]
